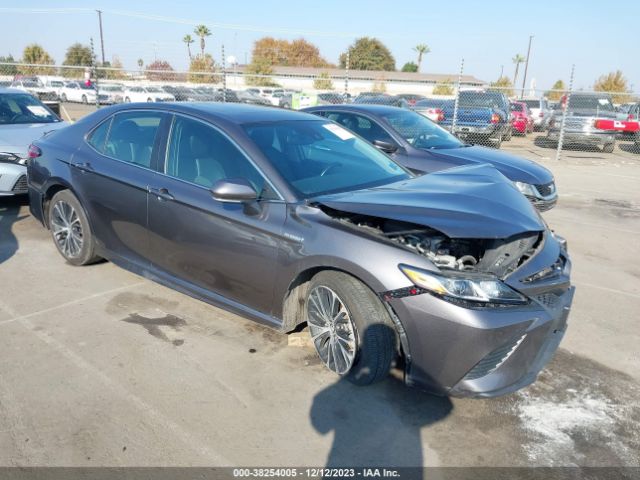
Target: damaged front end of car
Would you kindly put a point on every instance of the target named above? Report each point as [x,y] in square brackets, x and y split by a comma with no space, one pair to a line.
[480,314]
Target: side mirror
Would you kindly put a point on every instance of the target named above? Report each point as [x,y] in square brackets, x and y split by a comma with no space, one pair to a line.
[386,147]
[236,190]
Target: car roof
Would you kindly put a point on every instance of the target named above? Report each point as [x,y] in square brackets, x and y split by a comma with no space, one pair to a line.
[11,90]
[237,113]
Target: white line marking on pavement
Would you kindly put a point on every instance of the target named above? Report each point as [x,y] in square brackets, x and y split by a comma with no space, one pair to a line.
[18,318]
[606,289]
[65,113]
[197,445]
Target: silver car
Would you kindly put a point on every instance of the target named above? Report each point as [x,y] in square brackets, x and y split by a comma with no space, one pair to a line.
[540,111]
[23,119]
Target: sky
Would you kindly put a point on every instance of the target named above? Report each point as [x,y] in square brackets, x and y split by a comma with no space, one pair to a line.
[488,34]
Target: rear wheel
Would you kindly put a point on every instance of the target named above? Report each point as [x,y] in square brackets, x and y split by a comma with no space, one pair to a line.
[495,142]
[350,328]
[84,99]
[70,229]
[608,147]
[127,100]
[149,99]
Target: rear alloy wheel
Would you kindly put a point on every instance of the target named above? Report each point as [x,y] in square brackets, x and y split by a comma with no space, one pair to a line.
[70,229]
[608,147]
[84,99]
[350,328]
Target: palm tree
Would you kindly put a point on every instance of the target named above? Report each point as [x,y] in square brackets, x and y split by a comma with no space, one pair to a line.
[422,49]
[202,31]
[518,59]
[188,40]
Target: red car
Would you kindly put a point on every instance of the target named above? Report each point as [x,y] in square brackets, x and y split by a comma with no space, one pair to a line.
[522,120]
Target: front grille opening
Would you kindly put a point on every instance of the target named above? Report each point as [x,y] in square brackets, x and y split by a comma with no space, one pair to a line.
[493,360]
[20,185]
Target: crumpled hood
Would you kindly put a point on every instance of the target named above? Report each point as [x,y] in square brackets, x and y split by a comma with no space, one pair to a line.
[515,168]
[17,138]
[474,201]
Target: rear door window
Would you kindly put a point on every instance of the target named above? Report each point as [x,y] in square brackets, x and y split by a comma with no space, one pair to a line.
[132,137]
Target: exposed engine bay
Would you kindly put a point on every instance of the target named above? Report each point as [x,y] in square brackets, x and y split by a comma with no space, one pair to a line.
[498,256]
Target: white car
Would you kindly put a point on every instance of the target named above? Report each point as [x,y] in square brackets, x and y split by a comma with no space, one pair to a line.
[34,87]
[113,91]
[147,94]
[23,119]
[79,92]
[52,84]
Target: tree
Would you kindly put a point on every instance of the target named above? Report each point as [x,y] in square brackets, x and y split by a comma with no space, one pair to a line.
[297,53]
[8,69]
[368,53]
[140,63]
[160,70]
[116,70]
[257,73]
[504,85]
[556,92]
[380,85]
[518,59]
[323,82]
[188,40]
[410,67]
[202,69]
[444,88]
[35,54]
[202,31]
[422,50]
[614,82]
[77,55]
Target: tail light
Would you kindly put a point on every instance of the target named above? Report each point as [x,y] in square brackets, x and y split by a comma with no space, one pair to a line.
[631,117]
[34,151]
[440,114]
[495,118]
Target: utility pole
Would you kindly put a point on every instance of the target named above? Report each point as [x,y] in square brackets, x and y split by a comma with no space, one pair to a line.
[501,71]
[526,67]
[101,36]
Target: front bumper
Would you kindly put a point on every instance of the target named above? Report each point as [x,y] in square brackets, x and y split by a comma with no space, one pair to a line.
[13,179]
[583,138]
[485,352]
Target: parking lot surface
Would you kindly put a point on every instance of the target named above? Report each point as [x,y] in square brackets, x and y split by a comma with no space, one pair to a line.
[103,367]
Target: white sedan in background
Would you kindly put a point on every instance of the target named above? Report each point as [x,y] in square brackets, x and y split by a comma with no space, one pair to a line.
[23,119]
[147,94]
[80,92]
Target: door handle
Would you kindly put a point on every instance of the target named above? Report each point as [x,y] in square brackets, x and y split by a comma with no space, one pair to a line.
[83,166]
[161,193]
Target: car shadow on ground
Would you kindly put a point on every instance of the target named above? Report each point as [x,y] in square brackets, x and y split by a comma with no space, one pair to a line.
[630,147]
[378,425]
[9,215]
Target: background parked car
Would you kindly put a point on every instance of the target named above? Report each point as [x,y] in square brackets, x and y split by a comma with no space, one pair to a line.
[423,147]
[34,87]
[147,94]
[521,118]
[23,119]
[432,108]
[113,91]
[590,120]
[245,96]
[411,98]
[540,111]
[381,100]
[483,117]
[78,91]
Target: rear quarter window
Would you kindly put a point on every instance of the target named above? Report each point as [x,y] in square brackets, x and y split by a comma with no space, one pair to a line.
[98,137]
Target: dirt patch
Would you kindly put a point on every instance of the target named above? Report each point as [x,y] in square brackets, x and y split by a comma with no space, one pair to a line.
[126,302]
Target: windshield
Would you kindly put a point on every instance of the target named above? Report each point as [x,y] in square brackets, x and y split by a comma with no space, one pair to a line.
[22,108]
[153,90]
[590,102]
[111,88]
[421,132]
[516,107]
[30,84]
[56,83]
[532,103]
[317,157]
[84,86]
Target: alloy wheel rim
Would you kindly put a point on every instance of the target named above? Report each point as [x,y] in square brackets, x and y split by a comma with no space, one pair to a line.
[67,229]
[331,328]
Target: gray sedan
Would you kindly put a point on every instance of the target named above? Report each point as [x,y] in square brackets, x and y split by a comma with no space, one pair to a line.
[292,221]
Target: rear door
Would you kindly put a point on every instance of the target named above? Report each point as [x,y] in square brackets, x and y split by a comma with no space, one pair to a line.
[111,172]
[229,249]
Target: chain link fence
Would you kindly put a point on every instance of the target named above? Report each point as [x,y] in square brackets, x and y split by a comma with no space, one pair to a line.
[475,111]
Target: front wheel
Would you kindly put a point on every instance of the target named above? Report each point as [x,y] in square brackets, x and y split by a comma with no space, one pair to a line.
[127,100]
[350,328]
[63,97]
[84,99]
[70,229]
[508,135]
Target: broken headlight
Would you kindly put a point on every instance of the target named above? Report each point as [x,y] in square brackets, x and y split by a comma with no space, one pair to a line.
[479,289]
[526,189]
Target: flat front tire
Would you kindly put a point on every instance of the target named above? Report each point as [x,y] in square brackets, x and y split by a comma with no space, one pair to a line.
[70,229]
[350,328]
